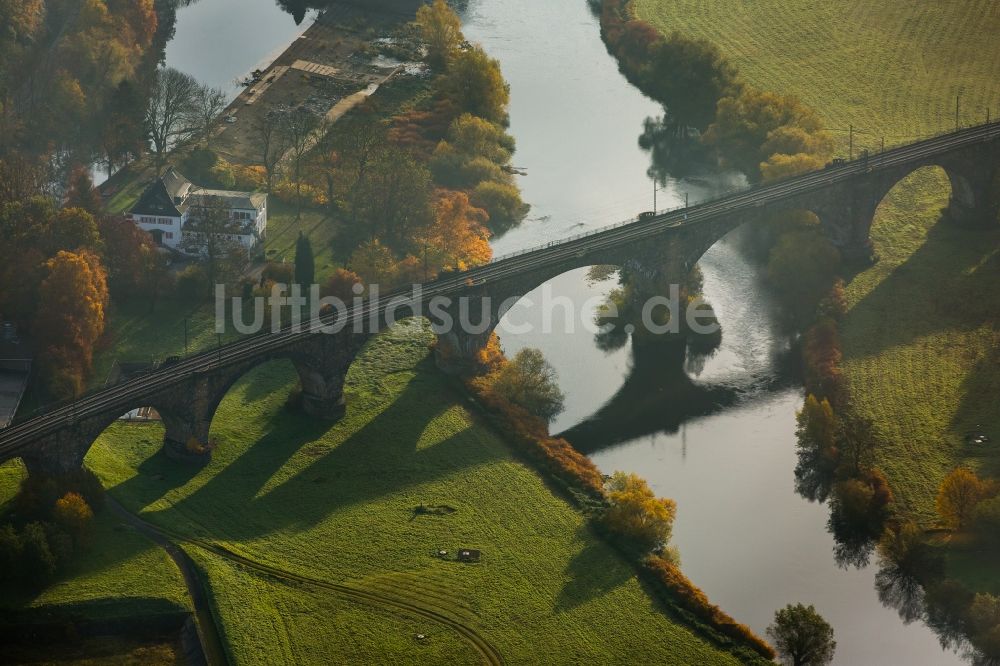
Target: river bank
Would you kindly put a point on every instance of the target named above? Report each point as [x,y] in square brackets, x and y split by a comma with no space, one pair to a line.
[333,66]
[923,380]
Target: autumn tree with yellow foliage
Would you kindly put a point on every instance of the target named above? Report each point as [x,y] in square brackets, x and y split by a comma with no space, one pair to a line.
[960,493]
[474,83]
[74,515]
[636,514]
[768,136]
[73,302]
[458,238]
[441,29]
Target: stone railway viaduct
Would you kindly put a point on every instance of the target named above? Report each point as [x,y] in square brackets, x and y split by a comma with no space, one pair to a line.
[660,248]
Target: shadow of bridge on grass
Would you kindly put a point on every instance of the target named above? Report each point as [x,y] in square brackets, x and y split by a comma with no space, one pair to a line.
[379,458]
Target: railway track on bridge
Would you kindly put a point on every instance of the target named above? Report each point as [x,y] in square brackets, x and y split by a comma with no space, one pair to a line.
[21,435]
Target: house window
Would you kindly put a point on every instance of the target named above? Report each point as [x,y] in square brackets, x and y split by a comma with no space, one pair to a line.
[168,234]
[147,220]
[166,221]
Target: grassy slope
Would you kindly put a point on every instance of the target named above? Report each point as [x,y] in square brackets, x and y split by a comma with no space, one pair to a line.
[921,336]
[890,68]
[335,502]
[268,621]
[121,575]
[921,342]
[136,334]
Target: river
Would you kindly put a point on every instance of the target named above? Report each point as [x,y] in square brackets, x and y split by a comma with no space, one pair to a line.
[744,535]
[220,42]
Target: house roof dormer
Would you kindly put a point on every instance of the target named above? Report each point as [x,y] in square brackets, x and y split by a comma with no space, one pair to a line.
[165,197]
[176,184]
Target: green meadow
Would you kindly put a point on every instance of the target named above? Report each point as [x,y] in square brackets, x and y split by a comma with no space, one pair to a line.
[337,503]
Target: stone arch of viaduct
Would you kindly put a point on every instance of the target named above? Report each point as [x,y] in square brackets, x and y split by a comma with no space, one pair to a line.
[188,405]
[845,209]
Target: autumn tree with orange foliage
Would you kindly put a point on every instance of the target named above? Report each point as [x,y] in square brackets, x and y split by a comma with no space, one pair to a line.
[636,514]
[74,515]
[134,264]
[960,493]
[73,301]
[341,285]
[31,232]
[458,238]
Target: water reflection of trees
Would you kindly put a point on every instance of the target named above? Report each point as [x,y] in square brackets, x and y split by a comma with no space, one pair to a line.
[675,151]
[835,465]
[912,580]
[659,394]
[299,8]
[853,543]
[901,591]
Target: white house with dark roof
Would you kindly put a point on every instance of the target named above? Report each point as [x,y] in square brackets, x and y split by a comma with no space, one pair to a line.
[170,203]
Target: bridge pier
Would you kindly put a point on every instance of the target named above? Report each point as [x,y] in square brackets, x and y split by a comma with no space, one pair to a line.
[847,214]
[323,391]
[975,187]
[59,454]
[187,411]
[322,367]
[459,353]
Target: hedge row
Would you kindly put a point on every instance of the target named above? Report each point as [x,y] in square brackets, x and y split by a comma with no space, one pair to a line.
[692,599]
[530,435]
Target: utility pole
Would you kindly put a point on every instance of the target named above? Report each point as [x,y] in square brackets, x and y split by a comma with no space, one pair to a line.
[850,150]
[654,194]
[685,199]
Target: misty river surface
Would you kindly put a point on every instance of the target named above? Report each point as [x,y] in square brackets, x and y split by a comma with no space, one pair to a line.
[744,535]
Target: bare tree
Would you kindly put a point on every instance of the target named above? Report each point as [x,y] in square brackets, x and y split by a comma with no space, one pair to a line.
[361,142]
[298,128]
[172,103]
[209,103]
[271,142]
